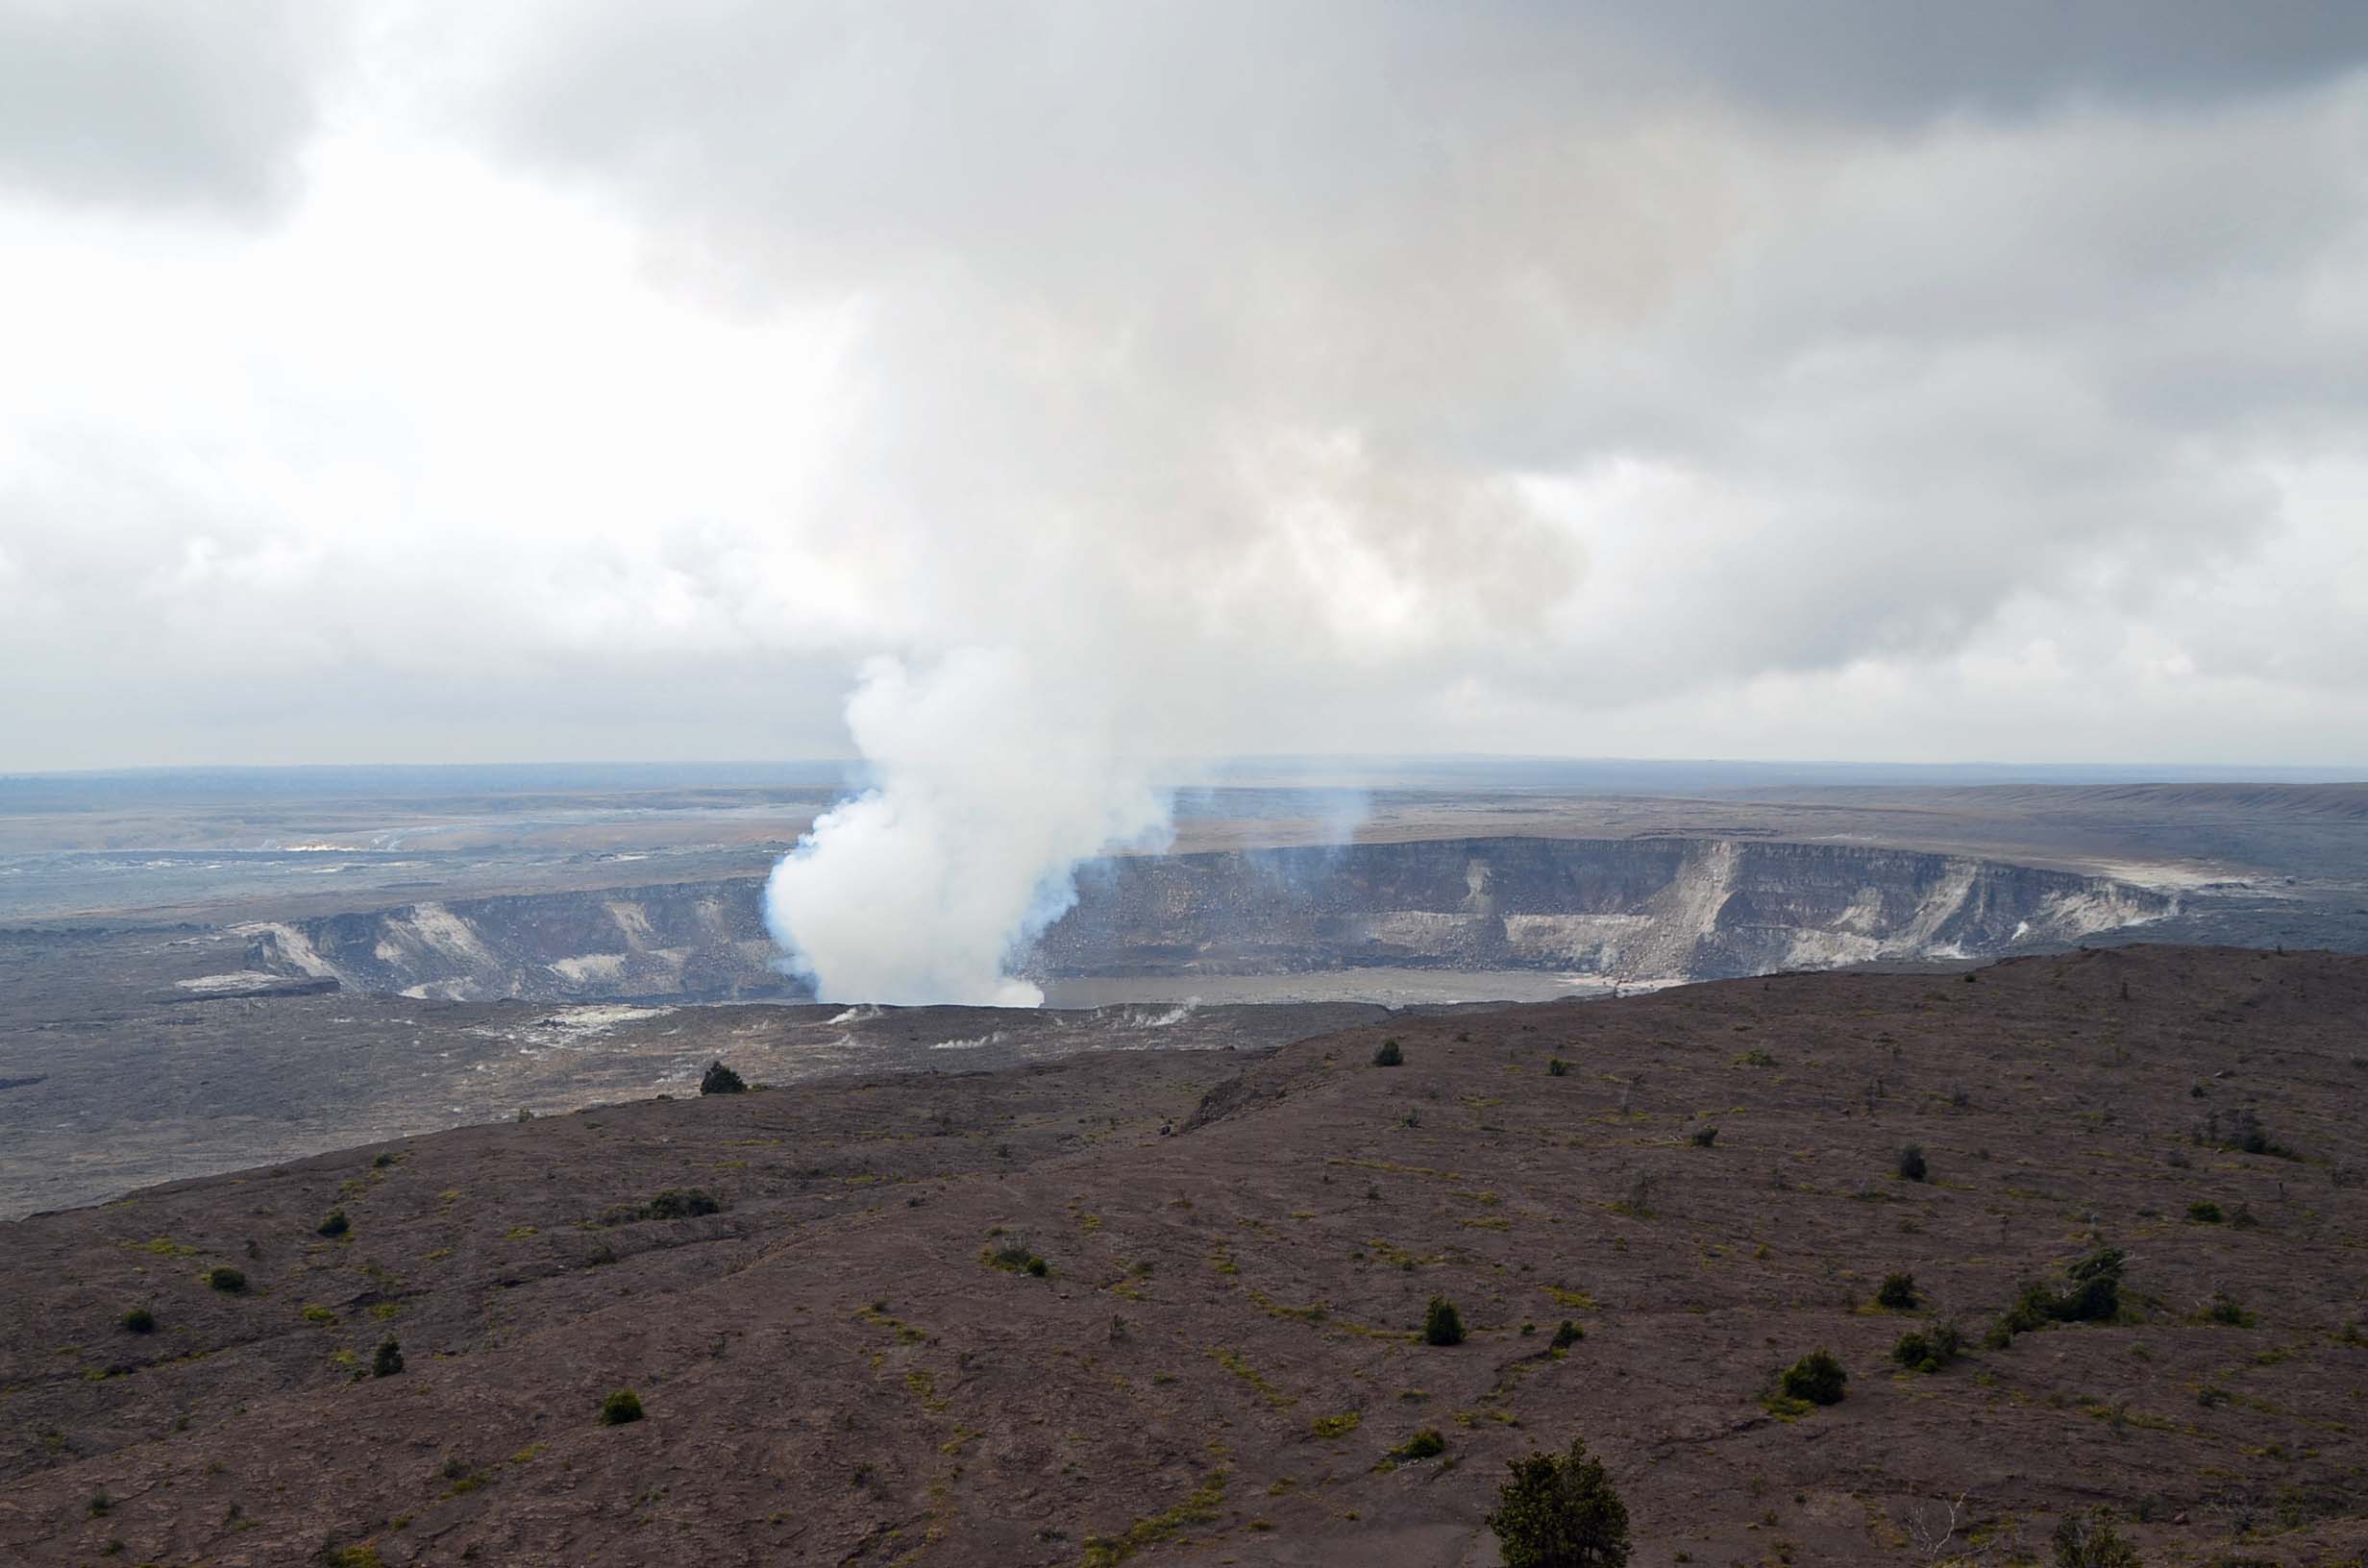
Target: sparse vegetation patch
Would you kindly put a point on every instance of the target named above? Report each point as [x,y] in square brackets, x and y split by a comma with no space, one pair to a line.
[1425,1444]
[1198,1508]
[673,1203]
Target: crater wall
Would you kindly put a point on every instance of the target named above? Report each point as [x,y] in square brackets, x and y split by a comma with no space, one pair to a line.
[1628,909]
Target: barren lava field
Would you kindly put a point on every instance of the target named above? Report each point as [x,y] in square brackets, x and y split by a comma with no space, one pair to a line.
[1222,1349]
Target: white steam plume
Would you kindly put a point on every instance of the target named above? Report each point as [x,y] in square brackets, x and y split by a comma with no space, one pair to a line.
[1130,458]
[995,777]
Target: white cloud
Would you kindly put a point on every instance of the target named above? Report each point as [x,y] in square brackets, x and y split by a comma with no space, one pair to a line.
[614,380]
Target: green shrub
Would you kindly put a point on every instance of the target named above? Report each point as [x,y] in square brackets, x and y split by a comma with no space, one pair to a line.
[1013,1256]
[1441,1323]
[2090,1294]
[336,1225]
[1560,1511]
[1928,1350]
[1702,1138]
[2228,1312]
[1910,1164]
[2205,1214]
[2242,1131]
[1556,1068]
[719,1079]
[139,1320]
[620,1408]
[683,1202]
[2090,1541]
[1388,1055]
[226,1279]
[1816,1377]
[1897,1293]
[388,1360]
[1337,1426]
[1569,1335]
[1425,1444]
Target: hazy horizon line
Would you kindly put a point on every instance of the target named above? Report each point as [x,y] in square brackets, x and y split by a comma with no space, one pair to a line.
[1211,771]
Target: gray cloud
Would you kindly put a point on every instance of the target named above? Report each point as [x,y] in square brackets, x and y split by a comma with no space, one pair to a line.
[1926,371]
[1904,63]
[142,102]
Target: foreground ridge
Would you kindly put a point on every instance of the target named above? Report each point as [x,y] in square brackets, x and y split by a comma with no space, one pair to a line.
[827,1307]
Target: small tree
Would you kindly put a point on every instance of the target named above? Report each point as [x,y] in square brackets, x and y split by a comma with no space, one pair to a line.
[226,1279]
[1388,1055]
[336,1225]
[1897,1293]
[388,1360]
[2095,1295]
[1442,1324]
[1560,1511]
[1912,1166]
[721,1080]
[139,1320]
[620,1408]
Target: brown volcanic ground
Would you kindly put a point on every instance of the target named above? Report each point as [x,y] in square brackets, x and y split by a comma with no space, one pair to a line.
[1220,1359]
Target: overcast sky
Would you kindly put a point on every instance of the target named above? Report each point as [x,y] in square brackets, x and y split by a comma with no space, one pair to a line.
[1843,379]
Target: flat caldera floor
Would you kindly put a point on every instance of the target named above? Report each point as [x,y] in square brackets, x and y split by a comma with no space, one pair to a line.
[852,1360]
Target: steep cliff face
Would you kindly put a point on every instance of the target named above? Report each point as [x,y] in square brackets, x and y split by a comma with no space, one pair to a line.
[1649,909]
[1632,909]
[693,940]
